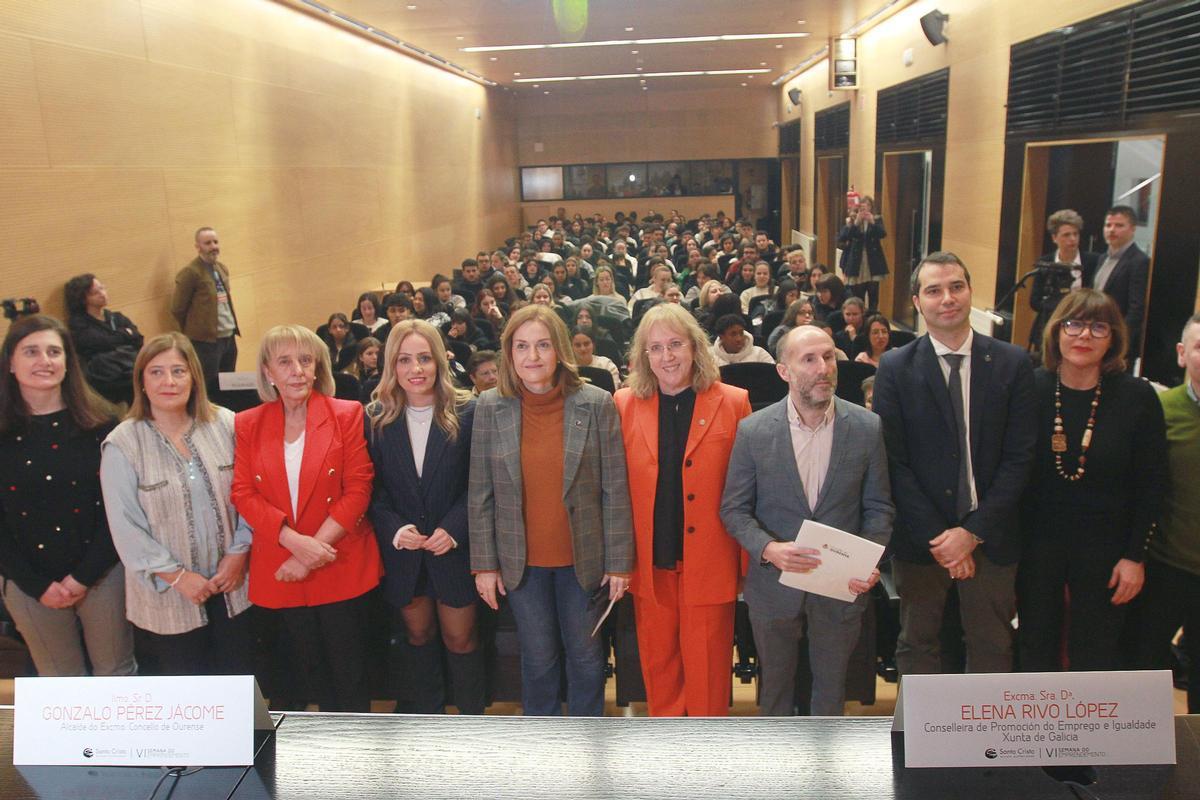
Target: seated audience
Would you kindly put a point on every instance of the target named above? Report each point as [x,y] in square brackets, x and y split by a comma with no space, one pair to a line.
[584,346]
[483,370]
[762,285]
[831,293]
[878,340]
[799,312]
[106,341]
[341,342]
[734,345]
[369,315]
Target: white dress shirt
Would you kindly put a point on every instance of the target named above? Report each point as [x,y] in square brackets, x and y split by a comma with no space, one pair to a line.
[812,448]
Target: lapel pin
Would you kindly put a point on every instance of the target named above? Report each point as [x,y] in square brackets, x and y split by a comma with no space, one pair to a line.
[987,357]
[701,422]
[578,423]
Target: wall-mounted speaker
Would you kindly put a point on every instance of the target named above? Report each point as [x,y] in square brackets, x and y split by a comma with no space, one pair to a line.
[932,25]
[794,96]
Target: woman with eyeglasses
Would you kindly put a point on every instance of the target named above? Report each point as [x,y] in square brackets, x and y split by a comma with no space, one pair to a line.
[1096,492]
[678,422]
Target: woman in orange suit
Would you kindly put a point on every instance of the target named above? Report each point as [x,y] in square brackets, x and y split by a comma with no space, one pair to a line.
[302,479]
[678,422]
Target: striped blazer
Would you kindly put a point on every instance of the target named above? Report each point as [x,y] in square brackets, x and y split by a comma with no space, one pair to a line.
[595,487]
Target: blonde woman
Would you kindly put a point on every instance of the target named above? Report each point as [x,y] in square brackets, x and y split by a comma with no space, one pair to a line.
[419,437]
[166,473]
[678,422]
[605,300]
[549,509]
[302,480]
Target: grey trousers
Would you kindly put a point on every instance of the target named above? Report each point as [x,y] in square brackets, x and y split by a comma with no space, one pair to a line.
[833,628]
[987,603]
[53,634]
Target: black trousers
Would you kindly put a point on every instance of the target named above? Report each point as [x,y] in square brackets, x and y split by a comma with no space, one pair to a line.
[224,646]
[1171,599]
[329,646]
[215,357]
[1083,566]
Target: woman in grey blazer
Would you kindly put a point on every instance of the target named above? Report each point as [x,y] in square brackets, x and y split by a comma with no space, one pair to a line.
[548,505]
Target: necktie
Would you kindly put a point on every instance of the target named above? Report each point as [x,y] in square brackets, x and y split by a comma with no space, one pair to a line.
[962,505]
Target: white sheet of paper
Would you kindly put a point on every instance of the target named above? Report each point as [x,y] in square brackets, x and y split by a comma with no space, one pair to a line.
[843,556]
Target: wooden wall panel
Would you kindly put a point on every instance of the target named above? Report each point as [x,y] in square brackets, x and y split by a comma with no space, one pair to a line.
[22,140]
[64,222]
[631,125]
[326,162]
[101,109]
[111,25]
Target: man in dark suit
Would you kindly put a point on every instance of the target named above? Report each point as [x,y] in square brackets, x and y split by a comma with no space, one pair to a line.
[1124,273]
[959,420]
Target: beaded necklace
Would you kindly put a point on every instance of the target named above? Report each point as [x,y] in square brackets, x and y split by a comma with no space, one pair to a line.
[1058,442]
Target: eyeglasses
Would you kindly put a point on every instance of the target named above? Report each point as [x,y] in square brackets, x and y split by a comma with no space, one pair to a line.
[1074,327]
[658,350]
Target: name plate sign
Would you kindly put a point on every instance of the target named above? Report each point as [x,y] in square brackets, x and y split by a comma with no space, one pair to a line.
[1037,719]
[138,721]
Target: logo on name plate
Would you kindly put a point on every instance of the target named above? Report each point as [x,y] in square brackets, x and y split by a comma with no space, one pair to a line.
[990,752]
[87,752]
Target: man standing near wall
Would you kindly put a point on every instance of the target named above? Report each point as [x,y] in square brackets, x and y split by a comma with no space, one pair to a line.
[203,308]
[1124,272]
[960,421]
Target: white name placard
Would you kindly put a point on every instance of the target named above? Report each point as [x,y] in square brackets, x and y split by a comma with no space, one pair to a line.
[138,721]
[234,381]
[1037,719]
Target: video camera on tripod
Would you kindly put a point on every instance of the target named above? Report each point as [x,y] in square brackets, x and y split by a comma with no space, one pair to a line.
[28,307]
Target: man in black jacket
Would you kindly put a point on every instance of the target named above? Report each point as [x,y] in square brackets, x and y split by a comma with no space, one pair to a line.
[1124,273]
[959,421]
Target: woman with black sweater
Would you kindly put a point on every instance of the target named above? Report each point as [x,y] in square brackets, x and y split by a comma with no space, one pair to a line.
[61,576]
[1096,492]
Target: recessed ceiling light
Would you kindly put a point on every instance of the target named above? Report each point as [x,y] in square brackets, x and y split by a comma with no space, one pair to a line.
[645,88]
[411,7]
[536,85]
[762,63]
[778,47]
[801,21]
[493,58]
[641,77]
[728,37]
[634,52]
[629,29]
[745,84]
[460,38]
[547,91]
[516,74]
[639,69]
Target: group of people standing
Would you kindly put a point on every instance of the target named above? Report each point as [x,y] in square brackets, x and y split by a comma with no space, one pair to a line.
[976,471]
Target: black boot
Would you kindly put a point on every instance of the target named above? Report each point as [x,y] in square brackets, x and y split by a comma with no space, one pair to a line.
[467,680]
[423,679]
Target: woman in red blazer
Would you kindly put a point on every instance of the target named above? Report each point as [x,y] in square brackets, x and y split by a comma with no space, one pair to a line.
[678,421]
[302,480]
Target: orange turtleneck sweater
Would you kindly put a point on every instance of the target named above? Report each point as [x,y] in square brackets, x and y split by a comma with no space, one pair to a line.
[547,526]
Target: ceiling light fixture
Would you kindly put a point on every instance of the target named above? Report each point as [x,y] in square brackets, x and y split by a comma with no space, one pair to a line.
[642,76]
[411,7]
[629,29]
[729,37]
[859,27]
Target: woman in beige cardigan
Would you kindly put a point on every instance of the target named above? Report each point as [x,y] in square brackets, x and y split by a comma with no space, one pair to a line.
[166,472]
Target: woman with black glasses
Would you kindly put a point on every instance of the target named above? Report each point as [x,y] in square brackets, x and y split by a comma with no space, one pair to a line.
[1097,489]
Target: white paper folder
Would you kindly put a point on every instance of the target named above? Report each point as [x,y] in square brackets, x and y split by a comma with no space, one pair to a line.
[843,556]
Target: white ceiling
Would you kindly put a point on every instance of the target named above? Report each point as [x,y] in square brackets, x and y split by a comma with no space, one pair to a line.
[444,27]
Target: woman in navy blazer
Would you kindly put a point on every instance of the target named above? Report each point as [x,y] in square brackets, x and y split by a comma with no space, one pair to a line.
[419,436]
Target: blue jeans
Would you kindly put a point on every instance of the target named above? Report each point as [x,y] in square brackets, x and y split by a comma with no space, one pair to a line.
[550,604]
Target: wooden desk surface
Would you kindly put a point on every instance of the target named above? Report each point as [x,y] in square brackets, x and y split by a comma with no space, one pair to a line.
[333,756]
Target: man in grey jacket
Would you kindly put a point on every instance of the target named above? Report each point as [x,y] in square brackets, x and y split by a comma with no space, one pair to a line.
[809,456]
